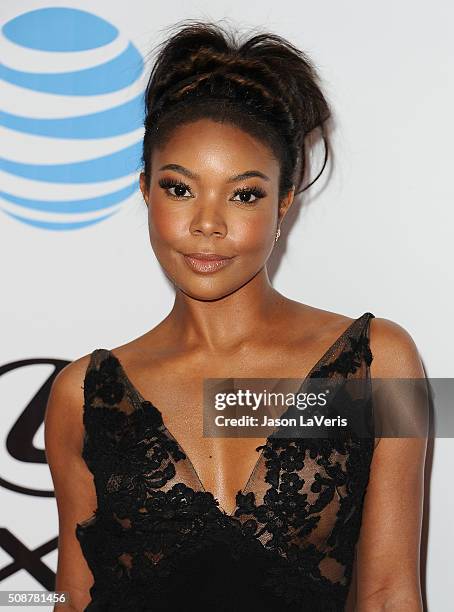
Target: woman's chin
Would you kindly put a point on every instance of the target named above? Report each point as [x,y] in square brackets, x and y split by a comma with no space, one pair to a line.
[208,289]
[209,293]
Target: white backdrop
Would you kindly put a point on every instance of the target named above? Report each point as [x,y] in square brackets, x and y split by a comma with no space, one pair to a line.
[374,233]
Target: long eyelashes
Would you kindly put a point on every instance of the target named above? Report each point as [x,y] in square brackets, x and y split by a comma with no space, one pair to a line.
[168,183]
[180,186]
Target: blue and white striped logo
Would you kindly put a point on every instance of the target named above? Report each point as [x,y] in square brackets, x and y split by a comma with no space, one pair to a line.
[71,126]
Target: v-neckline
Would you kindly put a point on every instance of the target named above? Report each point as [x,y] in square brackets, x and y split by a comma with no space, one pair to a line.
[314,368]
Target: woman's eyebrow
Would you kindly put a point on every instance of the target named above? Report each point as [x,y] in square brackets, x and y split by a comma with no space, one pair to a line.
[232,179]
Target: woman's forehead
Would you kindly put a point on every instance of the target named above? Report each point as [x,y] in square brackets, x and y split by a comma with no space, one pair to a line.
[223,148]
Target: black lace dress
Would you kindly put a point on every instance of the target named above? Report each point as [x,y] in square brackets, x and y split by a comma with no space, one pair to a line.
[158,541]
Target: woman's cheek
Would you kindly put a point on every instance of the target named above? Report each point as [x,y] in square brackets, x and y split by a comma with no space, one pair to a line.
[253,235]
[167,228]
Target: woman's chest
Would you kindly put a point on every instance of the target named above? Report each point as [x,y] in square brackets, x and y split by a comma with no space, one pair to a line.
[223,459]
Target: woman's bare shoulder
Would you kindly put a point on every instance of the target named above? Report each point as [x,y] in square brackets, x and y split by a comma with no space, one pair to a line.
[394,350]
[392,345]
[70,378]
[66,397]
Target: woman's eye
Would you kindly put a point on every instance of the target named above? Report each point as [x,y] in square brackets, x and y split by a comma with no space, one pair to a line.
[245,195]
[176,189]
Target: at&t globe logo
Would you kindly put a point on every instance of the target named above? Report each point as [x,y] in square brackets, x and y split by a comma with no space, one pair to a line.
[71,123]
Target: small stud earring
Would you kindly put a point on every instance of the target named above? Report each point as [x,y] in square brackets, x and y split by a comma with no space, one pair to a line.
[278,233]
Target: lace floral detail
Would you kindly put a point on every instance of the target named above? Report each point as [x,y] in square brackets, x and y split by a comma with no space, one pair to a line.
[349,360]
[159,541]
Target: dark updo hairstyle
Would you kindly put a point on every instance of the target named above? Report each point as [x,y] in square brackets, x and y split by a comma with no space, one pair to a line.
[264,85]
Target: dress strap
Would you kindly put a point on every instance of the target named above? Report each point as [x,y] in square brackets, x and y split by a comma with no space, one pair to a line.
[364,336]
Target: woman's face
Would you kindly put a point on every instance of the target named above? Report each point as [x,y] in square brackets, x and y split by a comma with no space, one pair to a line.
[213,189]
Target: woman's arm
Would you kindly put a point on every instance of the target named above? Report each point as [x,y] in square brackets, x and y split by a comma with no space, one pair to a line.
[73,483]
[388,552]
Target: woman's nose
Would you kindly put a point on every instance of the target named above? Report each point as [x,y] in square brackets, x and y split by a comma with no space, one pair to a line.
[208,220]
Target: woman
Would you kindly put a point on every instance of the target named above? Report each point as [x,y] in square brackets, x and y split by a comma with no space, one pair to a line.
[154,520]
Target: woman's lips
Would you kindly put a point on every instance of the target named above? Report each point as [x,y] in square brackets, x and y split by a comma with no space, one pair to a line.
[199,264]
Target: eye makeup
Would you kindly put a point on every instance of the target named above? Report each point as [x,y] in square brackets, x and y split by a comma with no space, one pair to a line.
[169,183]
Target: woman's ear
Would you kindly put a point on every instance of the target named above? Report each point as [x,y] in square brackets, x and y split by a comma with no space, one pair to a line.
[285,203]
[144,187]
